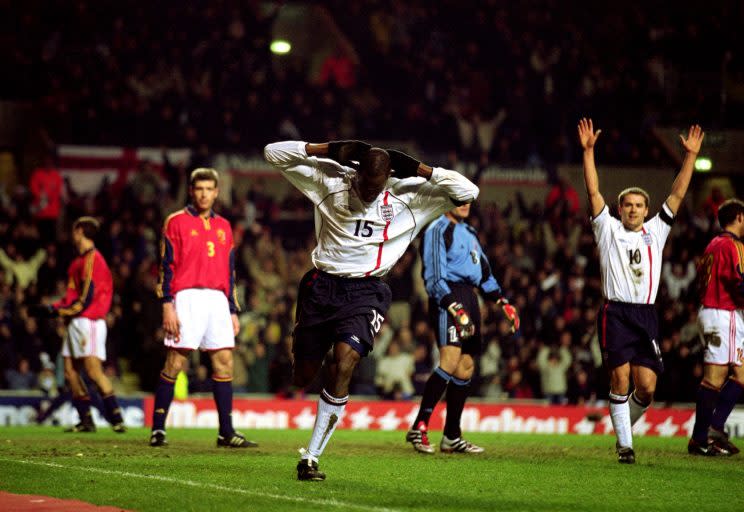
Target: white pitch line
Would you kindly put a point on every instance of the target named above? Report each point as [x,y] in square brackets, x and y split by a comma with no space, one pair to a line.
[203,485]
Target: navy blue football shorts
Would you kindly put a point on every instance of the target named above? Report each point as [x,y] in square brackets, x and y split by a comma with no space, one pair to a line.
[628,334]
[444,324]
[333,309]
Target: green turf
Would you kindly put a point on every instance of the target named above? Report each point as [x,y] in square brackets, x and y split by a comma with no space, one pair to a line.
[366,471]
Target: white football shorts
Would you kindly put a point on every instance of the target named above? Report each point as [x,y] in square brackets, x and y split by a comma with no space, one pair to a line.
[204,321]
[723,335]
[85,338]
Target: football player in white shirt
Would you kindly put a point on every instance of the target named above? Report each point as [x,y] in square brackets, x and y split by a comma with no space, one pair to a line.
[369,206]
[630,252]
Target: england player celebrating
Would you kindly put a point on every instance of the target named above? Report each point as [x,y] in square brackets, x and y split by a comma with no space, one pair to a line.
[630,263]
[197,288]
[364,221]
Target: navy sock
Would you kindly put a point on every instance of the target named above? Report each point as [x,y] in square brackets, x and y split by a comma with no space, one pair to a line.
[82,404]
[457,392]
[706,402]
[433,392]
[729,395]
[163,399]
[223,394]
[111,409]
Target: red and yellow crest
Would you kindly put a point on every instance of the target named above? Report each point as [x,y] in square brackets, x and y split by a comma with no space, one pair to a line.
[221,236]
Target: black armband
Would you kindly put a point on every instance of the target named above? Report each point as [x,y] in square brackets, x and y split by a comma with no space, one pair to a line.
[663,215]
[404,166]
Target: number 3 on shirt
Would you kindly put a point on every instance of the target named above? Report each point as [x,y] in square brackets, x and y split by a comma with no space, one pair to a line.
[210,249]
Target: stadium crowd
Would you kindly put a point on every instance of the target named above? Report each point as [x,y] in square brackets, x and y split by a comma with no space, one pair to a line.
[496,80]
[542,254]
[508,89]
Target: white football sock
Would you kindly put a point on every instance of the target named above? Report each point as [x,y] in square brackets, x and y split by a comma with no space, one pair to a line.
[620,414]
[636,408]
[330,411]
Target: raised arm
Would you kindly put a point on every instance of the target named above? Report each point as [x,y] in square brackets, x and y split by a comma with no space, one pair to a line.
[587,138]
[682,181]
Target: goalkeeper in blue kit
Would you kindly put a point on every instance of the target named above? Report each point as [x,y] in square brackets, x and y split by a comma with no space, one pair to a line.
[454,266]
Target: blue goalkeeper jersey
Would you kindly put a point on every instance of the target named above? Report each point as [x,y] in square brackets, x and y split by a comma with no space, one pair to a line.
[452,253]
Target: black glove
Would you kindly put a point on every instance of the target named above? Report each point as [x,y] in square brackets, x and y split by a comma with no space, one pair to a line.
[404,166]
[42,311]
[464,326]
[344,151]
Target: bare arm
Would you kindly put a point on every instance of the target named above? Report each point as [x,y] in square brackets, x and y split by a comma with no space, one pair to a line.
[587,138]
[682,181]
[317,149]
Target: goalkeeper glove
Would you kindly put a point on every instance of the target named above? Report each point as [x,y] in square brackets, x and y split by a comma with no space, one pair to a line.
[344,151]
[510,312]
[42,311]
[404,166]
[463,324]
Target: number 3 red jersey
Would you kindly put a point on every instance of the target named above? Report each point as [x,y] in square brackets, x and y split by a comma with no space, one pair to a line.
[720,273]
[197,252]
[90,288]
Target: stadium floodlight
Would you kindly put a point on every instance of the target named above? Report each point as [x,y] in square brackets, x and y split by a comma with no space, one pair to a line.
[703,164]
[280,47]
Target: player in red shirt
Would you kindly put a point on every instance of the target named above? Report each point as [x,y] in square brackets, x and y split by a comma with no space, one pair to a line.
[197,288]
[721,320]
[86,303]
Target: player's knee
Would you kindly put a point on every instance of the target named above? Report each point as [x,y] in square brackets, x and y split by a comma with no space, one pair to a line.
[645,392]
[173,366]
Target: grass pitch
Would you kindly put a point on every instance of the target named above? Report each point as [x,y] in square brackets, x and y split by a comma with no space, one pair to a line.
[367,471]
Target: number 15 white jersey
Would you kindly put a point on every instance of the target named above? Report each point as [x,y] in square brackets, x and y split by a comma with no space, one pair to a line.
[358,239]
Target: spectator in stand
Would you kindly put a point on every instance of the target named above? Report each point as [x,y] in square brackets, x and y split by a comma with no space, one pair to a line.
[21,378]
[22,272]
[553,362]
[46,188]
[677,278]
[580,391]
[562,198]
[395,373]
[338,70]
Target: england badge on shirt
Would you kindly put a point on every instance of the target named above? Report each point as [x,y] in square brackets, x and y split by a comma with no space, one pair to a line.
[386,212]
[646,238]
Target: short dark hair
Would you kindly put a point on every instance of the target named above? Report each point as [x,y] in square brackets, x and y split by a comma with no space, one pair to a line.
[728,211]
[89,225]
[376,161]
[204,174]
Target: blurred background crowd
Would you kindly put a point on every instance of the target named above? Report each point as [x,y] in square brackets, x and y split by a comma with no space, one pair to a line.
[543,254]
[476,82]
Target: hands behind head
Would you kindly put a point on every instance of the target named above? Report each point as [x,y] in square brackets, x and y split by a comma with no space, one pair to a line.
[344,151]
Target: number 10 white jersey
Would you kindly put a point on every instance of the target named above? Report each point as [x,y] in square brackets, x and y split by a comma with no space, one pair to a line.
[358,239]
[630,261]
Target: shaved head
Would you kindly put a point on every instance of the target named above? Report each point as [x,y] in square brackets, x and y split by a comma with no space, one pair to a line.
[374,171]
